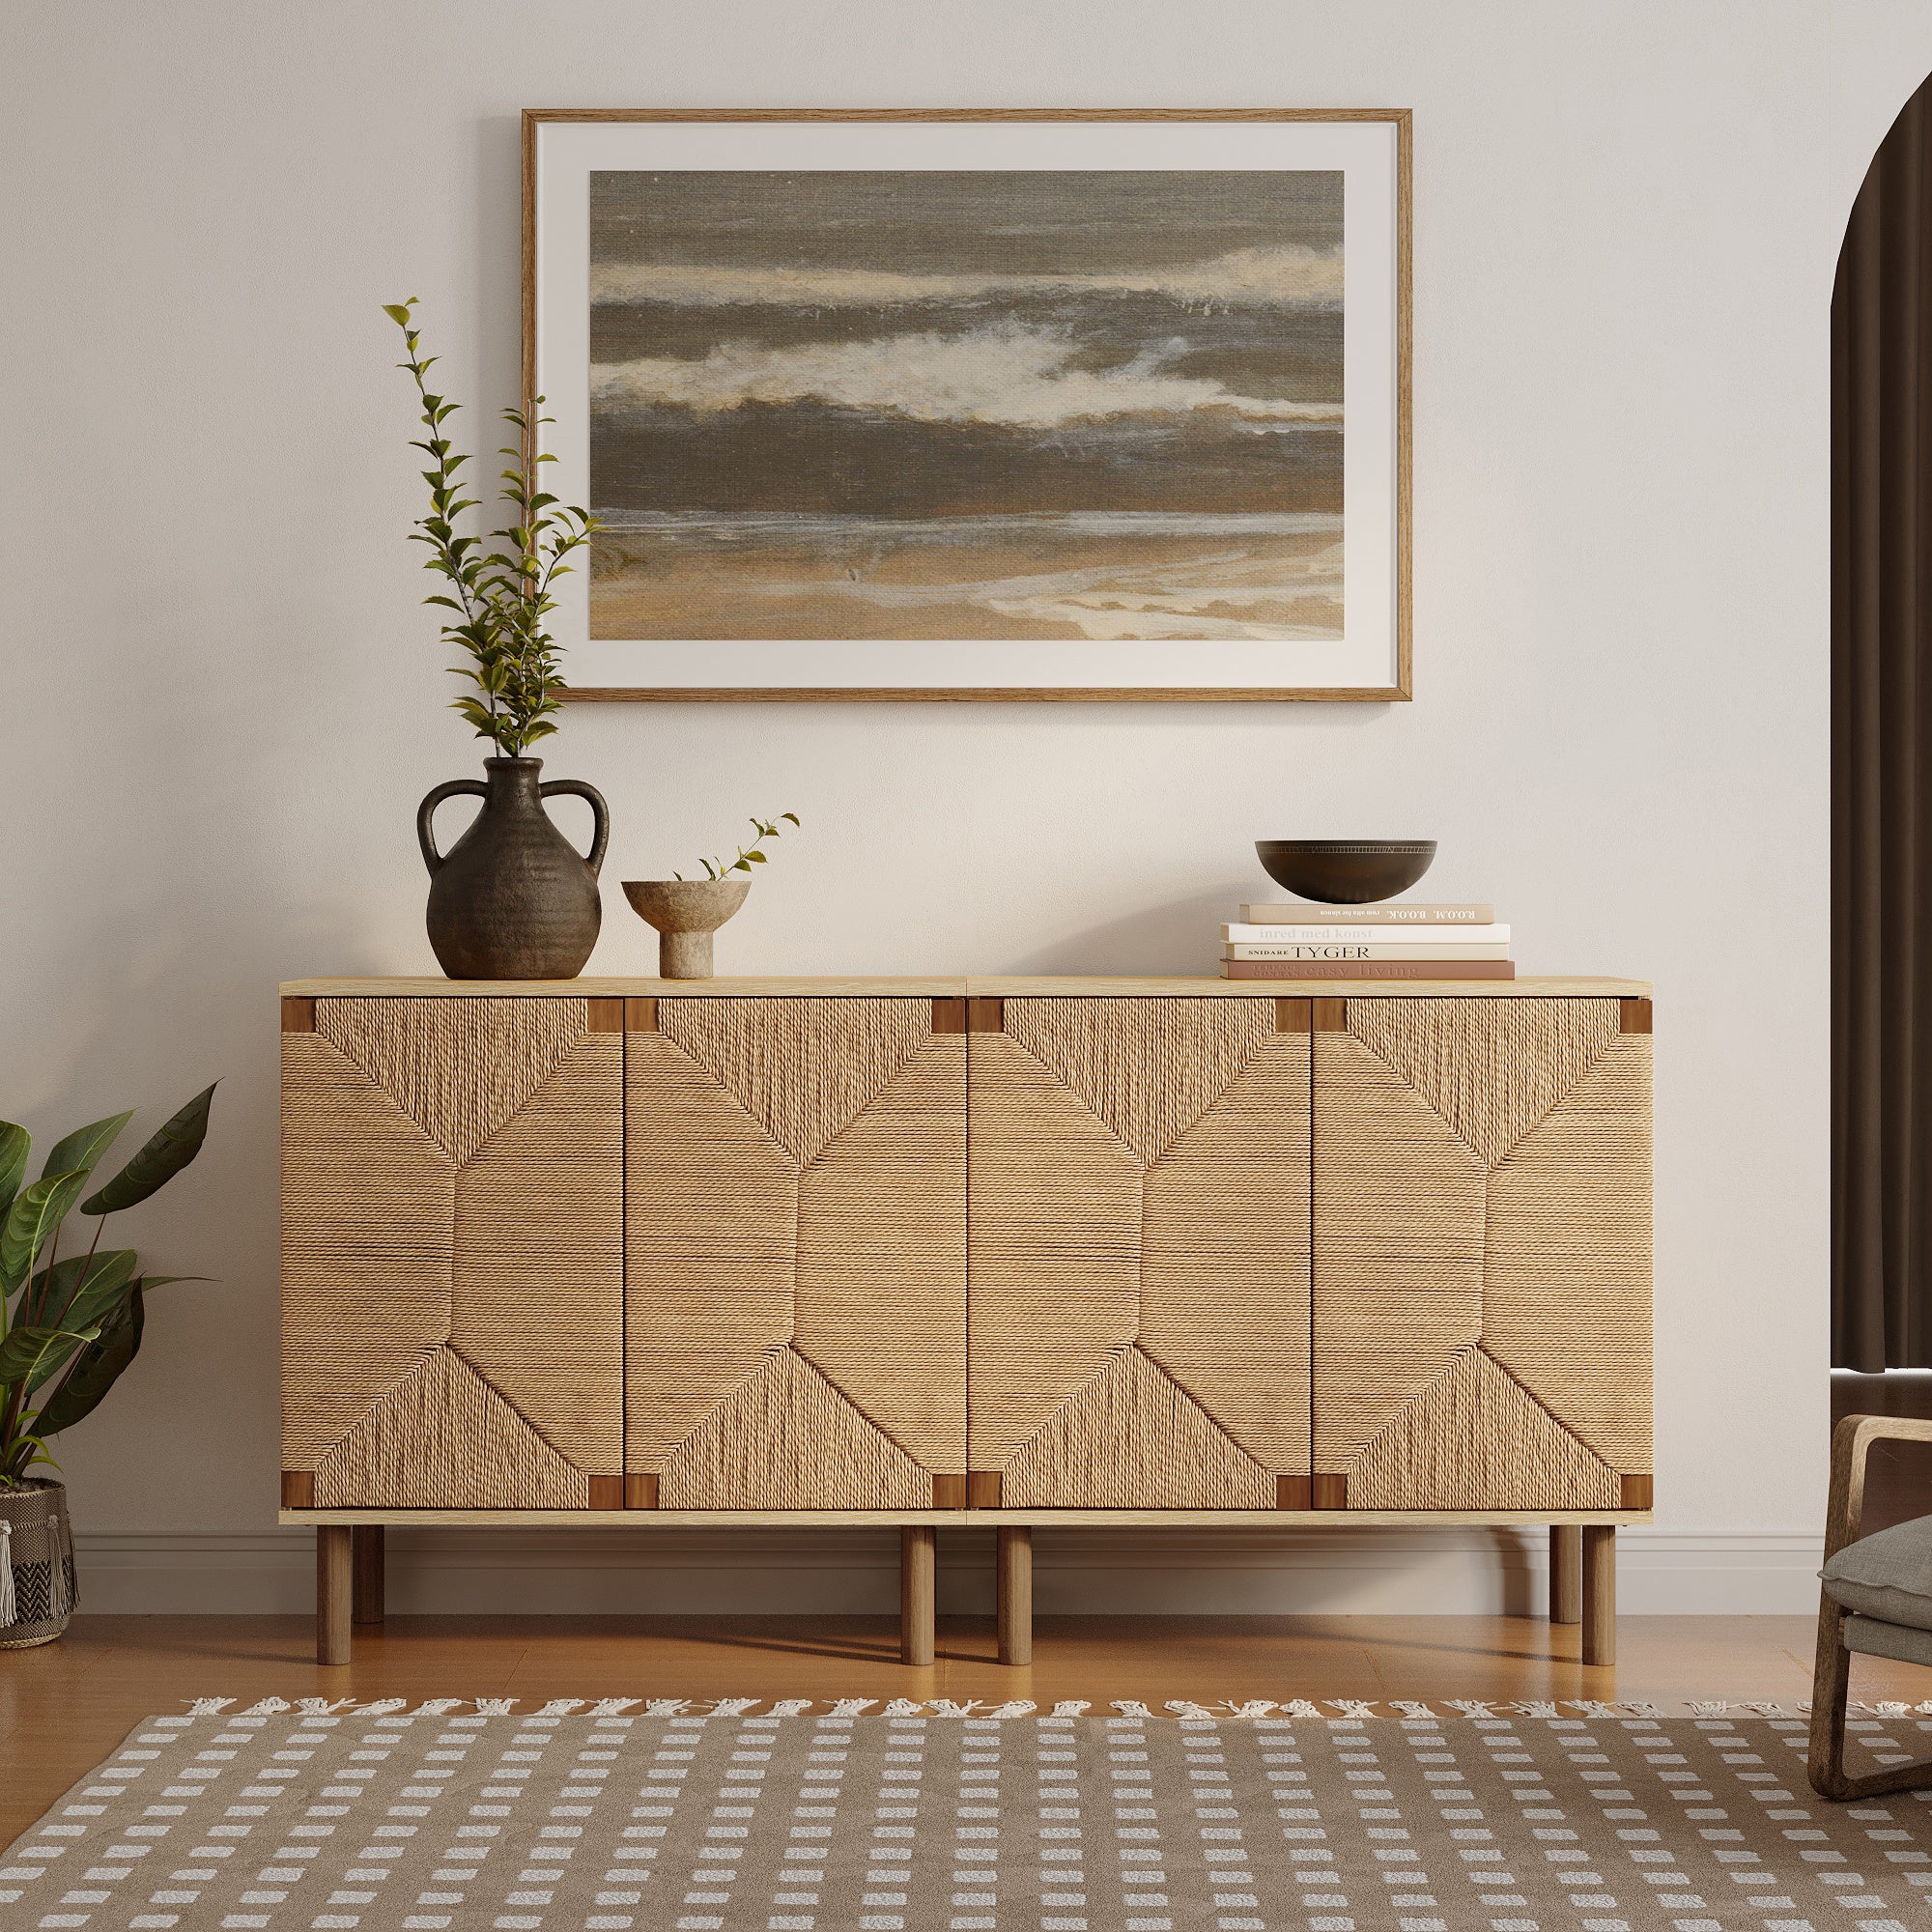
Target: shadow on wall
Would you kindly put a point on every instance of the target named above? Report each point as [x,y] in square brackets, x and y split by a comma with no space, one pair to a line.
[1180,936]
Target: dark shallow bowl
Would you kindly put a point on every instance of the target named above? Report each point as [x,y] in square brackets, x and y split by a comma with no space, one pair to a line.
[1345,871]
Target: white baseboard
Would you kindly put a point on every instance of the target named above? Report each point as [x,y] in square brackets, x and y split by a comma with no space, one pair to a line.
[1092,1572]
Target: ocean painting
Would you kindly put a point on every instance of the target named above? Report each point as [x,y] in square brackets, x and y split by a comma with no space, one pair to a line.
[998,405]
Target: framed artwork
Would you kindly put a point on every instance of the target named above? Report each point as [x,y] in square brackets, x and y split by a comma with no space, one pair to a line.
[1014,405]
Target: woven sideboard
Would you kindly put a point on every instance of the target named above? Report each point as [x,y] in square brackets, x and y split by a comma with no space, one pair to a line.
[981,1252]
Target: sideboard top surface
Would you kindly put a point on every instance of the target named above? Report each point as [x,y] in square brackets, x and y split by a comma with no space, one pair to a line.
[975,986]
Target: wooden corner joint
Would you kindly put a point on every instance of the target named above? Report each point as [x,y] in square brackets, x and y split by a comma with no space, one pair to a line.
[1293,1015]
[985,1016]
[297,1488]
[640,1016]
[1293,1492]
[1329,1492]
[949,1493]
[298,1014]
[605,1493]
[1637,1491]
[949,1017]
[982,1489]
[604,1016]
[1328,1017]
[1633,1015]
[641,1492]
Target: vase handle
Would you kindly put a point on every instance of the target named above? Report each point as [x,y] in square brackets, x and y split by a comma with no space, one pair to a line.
[600,815]
[426,811]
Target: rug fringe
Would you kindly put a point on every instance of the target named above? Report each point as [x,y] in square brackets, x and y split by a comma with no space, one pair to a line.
[1329,1710]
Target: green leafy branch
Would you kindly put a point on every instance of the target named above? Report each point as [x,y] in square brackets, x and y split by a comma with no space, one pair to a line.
[501,588]
[69,1327]
[747,856]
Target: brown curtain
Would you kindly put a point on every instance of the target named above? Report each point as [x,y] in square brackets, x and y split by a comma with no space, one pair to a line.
[1881,742]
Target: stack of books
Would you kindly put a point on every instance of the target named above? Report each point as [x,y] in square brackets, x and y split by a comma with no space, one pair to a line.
[1389,941]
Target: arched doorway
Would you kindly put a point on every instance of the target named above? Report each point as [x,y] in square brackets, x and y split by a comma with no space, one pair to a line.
[1882,802]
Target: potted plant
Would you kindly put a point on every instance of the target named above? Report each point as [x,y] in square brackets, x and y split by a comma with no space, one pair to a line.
[512,898]
[687,912]
[68,1326]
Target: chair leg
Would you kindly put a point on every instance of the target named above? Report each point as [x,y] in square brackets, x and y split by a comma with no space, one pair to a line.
[1830,1686]
[1566,1573]
[1600,1593]
[369,1580]
[335,1592]
[918,1549]
[1015,1588]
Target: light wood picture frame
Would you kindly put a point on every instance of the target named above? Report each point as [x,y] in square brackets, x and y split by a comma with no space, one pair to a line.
[969,406]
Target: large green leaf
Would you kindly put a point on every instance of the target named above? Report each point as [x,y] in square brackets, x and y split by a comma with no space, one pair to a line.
[171,1147]
[37,1211]
[98,1370]
[31,1355]
[14,1146]
[84,1289]
[78,1153]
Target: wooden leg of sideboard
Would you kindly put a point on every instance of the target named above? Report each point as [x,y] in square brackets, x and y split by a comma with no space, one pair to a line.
[1566,1573]
[918,1553]
[1600,1593]
[1015,1582]
[334,1591]
[369,1582]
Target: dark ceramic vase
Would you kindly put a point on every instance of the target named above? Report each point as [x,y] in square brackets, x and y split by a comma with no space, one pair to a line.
[513,899]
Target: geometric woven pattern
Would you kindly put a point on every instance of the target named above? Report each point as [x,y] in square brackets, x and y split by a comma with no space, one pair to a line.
[742,1250]
[1535,1817]
[1138,1229]
[795,1239]
[1482,1236]
[444,1432]
[789,1438]
[452,1252]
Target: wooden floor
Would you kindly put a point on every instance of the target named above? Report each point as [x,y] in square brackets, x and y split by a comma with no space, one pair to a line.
[63,1706]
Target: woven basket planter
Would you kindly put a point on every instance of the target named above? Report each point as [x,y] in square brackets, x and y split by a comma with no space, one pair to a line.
[36,1581]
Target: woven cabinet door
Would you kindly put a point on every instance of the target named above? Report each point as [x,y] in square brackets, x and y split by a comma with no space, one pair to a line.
[452,1254]
[795,1243]
[1482,1254]
[1138,1252]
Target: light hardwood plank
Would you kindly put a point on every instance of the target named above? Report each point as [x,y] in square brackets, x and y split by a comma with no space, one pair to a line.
[961,1518]
[1124,988]
[65,1706]
[596,986]
[973,988]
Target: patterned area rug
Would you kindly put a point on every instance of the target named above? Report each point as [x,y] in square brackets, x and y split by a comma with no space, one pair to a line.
[805,1817]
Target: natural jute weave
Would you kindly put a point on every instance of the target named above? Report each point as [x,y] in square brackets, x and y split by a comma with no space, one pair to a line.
[795,1283]
[460,1816]
[1482,1253]
[449,1167]
[1137,1225]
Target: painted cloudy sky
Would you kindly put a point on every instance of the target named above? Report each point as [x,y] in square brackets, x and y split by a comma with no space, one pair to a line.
[928,344]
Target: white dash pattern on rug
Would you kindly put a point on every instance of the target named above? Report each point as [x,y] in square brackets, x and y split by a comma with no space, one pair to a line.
[623,1814]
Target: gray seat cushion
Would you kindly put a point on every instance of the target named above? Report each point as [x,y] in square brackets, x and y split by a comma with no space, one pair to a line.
[1887,1575]
[1872,1639]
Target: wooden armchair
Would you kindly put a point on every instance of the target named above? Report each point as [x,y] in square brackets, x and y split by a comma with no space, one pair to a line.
[1843,1629]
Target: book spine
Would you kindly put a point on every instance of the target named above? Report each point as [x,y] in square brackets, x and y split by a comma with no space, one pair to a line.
[1308,913]
[1367,935]
[1367,969]
[1440,948]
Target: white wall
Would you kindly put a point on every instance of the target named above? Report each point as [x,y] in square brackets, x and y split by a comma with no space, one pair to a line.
[224,700]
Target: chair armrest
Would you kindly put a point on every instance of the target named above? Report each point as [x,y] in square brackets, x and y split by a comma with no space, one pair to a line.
[1851,1443]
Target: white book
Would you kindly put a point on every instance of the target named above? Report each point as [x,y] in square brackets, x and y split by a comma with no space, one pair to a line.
[1344,949]
[1368,935]
[1380,912]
